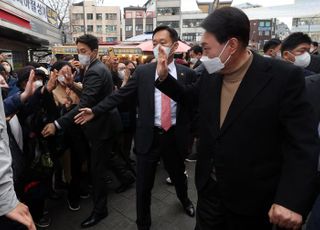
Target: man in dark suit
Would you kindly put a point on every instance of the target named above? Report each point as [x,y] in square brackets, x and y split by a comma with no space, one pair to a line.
[100,132]
[313,92]
[161,128]
[195,56]
[258,140]
[314,65]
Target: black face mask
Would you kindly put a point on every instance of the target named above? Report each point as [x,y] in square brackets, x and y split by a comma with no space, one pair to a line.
[132,71]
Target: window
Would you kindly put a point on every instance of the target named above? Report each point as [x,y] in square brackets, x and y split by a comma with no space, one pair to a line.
[173,24]
[90,16]
[168,11]
[260,33]
[78,29]
[99,16]
[267,33]
[261,24]
[128,15]
[111,28]
[99,28]
[139,14]
[190,23]
[139,27]
[149,27]
[111,16]
[128,28]
[268,24]
[77,16]
[111,39]
[189,36]
[89,28]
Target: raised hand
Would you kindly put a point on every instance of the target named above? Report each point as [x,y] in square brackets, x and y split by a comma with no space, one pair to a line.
[284,217]
[22,215]
[162,64]
[52,83]
[30,87]
[84,116]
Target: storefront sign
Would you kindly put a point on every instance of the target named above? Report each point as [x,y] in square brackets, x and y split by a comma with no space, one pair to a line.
[37,9]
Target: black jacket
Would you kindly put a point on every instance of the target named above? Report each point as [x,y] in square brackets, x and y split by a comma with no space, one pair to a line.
[141,86]
[267,149]
[97,84]
[314,65]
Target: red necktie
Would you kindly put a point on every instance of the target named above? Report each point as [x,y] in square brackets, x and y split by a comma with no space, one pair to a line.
[165,112]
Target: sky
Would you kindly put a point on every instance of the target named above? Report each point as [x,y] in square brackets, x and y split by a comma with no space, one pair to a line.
[191,5]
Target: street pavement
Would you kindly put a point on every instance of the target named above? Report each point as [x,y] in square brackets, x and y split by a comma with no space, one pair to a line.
[167,212]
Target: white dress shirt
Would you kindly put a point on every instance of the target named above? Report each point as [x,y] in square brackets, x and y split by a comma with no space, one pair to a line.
[157,99]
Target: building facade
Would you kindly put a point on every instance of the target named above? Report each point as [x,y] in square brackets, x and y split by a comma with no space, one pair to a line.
[261,31]
[26,26]
[191,30]
[104,22]
[308,25]
[168,12]
[137,20]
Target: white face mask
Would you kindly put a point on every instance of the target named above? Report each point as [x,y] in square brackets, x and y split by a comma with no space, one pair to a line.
[121,74]
[215,64]
[156,51]
[278,55]
[38,83]
[302,60]
[193,60]
[84,59]
[7,68]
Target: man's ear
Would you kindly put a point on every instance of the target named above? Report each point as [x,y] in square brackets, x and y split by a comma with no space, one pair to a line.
[175,46]
[234,45]
[286,56]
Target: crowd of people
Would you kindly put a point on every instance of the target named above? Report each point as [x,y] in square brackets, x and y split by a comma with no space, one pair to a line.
[249,120]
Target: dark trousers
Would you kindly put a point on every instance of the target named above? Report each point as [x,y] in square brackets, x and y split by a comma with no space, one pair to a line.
[213,214]
[79,149]
[102,159]
[7,224]
[164,146]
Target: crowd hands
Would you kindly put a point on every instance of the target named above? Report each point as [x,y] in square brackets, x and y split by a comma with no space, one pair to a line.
[36,93]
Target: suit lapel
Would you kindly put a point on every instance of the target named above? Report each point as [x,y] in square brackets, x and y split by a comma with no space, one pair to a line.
[213,95]
[254,81]
[150,78]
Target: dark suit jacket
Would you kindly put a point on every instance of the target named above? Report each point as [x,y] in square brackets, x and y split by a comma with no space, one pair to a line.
[314,65]
[266,151]
[97,84]
[141,85]
[313,92]
[198,63]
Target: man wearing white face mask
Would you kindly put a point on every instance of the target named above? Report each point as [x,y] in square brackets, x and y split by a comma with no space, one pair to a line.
[162,125]
[257,132]
[295,49]
[101,132]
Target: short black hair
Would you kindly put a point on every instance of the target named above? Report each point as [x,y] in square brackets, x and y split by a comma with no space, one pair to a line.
[173,33]
[127,62]
[228,22]
[197,49]
[294,40]
[23,74]
[271,44]
[89,40]
[314,43]
[60,64]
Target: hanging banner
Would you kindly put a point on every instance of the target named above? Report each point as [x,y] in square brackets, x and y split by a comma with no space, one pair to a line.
[37,9]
